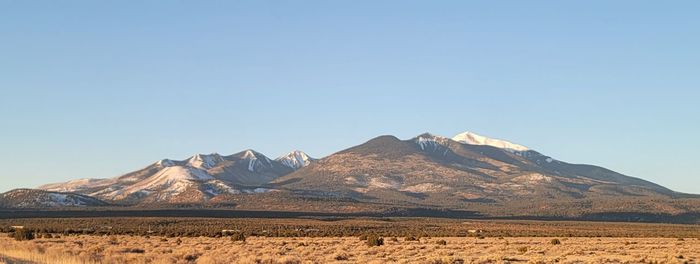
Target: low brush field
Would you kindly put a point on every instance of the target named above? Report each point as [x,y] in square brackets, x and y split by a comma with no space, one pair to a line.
[335,240]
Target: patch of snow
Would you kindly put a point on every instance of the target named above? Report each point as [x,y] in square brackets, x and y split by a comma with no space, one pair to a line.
[165,163]
[251,165]
[172,180]
[355,181]
[295,159]
[361,190]
[254,160]
[216,187]
[258,190]
[383,183]
[60,199]
[475,139]
[431,142]
[425,187]
[251,154]
[77,185]
[206,162]
[533,178]
[261,190]
[56,198]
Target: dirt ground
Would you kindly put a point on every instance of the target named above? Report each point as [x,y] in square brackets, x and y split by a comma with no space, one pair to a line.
[127,249]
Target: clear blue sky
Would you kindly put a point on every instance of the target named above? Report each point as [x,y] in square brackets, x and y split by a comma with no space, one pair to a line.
[99,88]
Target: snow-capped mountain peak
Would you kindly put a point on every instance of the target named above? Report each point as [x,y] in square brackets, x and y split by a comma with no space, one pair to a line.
[475,139]
[254,158]
[295,159]
[165,163]
[203,161]
[250,154]
[427,141]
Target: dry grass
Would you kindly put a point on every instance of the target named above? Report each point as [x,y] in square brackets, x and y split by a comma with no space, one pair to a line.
[102,249]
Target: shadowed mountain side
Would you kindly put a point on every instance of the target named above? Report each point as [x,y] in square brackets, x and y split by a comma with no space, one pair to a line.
[30,198]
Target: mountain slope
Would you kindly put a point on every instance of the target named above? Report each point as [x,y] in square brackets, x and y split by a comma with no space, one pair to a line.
[430,170]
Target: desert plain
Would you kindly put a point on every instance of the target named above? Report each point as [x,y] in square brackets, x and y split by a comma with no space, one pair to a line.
[521,242]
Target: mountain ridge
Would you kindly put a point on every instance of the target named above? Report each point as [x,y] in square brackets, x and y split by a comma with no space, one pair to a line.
[465,172]
[192,180]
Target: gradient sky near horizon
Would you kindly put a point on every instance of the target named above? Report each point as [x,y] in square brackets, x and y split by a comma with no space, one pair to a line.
[95,89]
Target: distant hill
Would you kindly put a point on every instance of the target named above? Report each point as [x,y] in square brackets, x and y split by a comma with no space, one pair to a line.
[30,198]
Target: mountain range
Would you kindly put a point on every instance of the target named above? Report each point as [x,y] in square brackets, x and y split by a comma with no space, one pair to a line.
[467,172]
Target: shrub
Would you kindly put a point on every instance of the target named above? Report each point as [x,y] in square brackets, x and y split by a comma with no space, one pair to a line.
[191,257]
[555,242]
[289,260]
[134,250]
[522,250]
[441,242]
[374,241]
[22,234]
[446,261]
[238,237]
